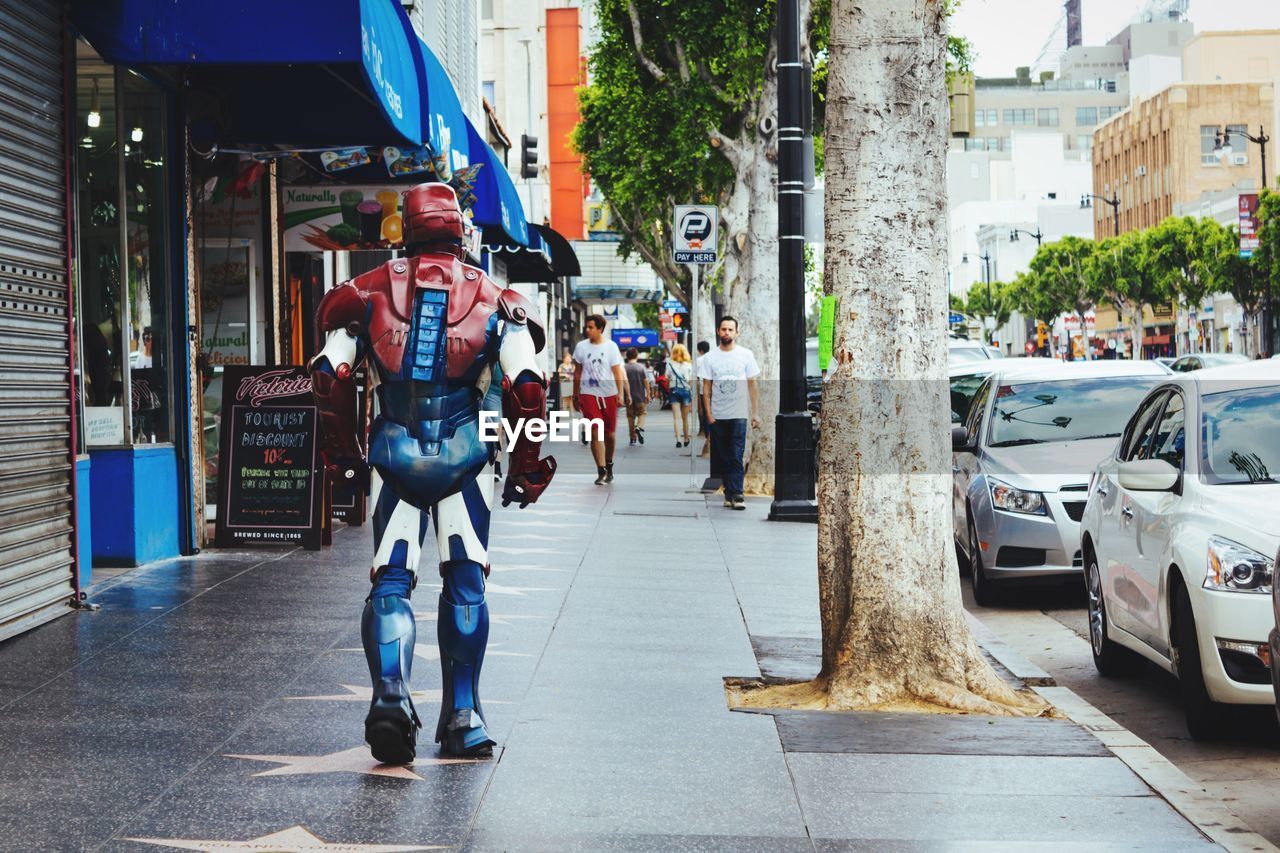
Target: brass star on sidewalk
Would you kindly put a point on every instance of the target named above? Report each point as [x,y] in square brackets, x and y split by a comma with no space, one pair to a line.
[295,839]
[355,760]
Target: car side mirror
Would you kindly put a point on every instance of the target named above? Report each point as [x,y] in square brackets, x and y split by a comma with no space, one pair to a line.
[1148,475]
[960,440]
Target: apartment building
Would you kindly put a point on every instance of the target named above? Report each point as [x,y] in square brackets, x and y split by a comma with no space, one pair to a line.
[1165,150]
[1072,108]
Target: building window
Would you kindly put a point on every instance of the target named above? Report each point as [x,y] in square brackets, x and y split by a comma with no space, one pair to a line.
[486,10]
[123,277]
[1086,116]
[1208,140]
[987,118]
[1084,142]
[1235,137]
[1105,113]
[1020,117]
[1006,143]
[489,89]
[1048,117]
[975,144]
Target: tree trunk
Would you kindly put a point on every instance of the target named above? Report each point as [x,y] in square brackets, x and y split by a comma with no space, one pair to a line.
[1135,324]
[893,626]
[751,277]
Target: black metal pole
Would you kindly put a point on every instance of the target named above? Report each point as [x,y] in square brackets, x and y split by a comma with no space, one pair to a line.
[1115,210]
[1263,139]
[794,472]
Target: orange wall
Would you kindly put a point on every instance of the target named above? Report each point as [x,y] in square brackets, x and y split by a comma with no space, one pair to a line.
[563,79]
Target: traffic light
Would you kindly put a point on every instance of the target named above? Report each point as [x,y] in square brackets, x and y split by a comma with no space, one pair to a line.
[528,156]
[680,320]
[1042,336]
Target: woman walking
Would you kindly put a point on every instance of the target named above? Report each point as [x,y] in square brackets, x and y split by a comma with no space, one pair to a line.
[680,373]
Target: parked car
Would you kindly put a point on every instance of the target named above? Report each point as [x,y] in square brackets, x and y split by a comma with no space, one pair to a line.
[1179,534]
[966,377]
[1188,363]
[962,349]
[1022,460]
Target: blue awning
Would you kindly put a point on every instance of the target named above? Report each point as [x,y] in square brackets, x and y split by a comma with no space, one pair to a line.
[444,123]
[300,72]
[497,202]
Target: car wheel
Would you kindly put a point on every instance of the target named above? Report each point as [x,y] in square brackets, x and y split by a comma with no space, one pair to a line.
[1109,658]
[1196,704]
[984,592]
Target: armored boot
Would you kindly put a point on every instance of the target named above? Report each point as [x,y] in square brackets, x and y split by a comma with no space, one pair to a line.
[463,631]
[388,632]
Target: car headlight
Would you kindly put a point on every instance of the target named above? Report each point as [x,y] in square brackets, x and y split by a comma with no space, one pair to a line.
[1009,499]
[1235,568]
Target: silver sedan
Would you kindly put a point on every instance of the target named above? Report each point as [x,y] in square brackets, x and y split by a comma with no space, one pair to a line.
[1022,460]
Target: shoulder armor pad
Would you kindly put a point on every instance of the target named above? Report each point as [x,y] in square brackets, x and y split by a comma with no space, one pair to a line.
[515,307]
[341,307]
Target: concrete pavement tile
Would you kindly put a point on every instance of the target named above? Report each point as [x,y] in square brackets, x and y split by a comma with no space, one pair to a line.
[989,817]
[936,734]
[485,841]
[685,788]
[963,774]
[894,845]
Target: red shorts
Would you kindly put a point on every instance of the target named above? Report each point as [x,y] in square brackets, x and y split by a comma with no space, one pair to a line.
[600,409]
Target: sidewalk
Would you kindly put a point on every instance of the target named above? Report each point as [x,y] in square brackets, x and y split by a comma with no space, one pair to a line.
[215,703]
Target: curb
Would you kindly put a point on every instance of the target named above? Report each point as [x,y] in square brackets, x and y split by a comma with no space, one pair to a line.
[1202,810]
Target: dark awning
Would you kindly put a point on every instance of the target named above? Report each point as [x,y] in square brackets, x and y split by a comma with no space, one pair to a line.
[564,261]
[530,263]
[286,72]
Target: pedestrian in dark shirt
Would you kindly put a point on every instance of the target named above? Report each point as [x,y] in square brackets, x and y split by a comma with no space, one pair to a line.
[638,385]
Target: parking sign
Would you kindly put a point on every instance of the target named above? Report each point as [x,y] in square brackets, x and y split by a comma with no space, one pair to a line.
[694,233]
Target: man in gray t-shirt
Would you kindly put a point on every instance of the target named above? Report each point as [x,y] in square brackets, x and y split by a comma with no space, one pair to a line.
[638,385]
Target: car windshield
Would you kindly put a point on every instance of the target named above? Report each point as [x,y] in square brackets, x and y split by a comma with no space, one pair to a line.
[1242,435]
[1064,410]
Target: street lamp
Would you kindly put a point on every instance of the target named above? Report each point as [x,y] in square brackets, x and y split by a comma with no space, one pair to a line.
[1222,145]
[986,277]
[1086,200]
[1013,235]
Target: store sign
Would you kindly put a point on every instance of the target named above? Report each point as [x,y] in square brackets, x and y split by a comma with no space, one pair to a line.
[340,218]
[269,465]
[1248,224]
[694,233]
[636,337]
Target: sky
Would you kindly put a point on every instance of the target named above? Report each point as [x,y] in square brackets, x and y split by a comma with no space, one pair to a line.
[1009,33]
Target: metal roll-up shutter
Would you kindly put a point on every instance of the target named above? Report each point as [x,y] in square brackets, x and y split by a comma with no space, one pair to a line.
[35,393]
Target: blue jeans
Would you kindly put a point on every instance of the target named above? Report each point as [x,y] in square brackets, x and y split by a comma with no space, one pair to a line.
[728,441]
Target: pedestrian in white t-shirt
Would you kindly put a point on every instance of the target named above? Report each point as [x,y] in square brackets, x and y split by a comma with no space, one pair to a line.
[728,378]
[598,383]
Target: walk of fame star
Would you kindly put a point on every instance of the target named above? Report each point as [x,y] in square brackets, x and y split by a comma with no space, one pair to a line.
[355,760]
[295,839]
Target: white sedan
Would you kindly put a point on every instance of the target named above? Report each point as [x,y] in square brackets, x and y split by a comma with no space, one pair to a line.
[1179,534]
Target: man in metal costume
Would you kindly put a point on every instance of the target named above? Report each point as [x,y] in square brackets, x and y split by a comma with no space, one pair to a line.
[443,342]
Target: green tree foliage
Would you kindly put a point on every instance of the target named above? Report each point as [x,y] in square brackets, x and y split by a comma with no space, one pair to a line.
[999,305]
[1266,259]
[1186,257]
[673,108]
[1120,272]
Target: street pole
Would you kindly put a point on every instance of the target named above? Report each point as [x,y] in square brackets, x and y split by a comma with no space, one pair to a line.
[696,269]
[794,472]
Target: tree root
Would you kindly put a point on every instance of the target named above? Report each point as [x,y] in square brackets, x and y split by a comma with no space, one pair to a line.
[917,691]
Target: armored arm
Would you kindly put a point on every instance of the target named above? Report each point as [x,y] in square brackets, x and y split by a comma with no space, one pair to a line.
[524,396]
[341,316]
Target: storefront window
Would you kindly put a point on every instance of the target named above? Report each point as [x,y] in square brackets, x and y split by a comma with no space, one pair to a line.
[101,295]
[143,126]
[122,256]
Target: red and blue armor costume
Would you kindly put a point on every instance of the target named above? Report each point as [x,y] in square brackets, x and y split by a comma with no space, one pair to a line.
[443,342]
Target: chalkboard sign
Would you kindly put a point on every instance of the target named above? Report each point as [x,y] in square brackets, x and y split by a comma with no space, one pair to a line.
[269,465]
